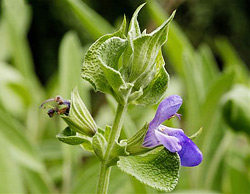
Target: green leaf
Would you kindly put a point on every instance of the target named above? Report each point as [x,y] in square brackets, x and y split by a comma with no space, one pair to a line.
[110,52]
[24,151]
[70,60]
[11,177]
[100,65]
[134,28]
[18,13]
[4,50]
[72,138]
[231,59]
[217,88]
[208,65]
[18,96]
[90,20]
[69,63]
[36,183]
[17,16]
[79,118]
[158,169]
[99,145]
[157,87]
[139,60]
[178,42]
[235,108]
[119,149]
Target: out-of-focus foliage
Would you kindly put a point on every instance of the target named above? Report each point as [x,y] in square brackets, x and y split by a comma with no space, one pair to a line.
[33,160]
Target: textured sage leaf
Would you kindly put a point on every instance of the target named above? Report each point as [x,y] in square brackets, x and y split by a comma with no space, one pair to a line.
[79,118]
[134,28]
[133,32]
[140,58]
[105,132]
[72,138]
[109,54]
[157,87]
[158,169]
[93,65]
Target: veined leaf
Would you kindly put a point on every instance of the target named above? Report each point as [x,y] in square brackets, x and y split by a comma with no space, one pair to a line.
[157,87]
[90,20]
[101,62]
[177,41]
[141,58]
[158,169]
[72,138]
[10,179]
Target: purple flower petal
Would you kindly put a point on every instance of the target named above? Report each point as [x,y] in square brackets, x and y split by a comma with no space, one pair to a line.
[150,138]
[190,154]
[166,109]
[170,142]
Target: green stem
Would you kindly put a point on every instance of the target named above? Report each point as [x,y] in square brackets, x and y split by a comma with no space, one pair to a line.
[105,170]
[103,182]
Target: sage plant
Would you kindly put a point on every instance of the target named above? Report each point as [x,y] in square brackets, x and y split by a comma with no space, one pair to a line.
[130,67]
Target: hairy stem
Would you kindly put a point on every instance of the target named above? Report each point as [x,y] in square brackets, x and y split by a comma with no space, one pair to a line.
[105,170]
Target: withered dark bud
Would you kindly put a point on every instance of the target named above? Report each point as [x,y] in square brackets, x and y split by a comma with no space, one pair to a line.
[51,112]
[60,111]
[59,100]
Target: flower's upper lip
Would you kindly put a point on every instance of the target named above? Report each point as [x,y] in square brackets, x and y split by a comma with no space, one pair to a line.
[166,109]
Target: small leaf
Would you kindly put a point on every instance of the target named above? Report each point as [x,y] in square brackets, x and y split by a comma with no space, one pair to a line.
[134,28]
[110,52]
[158,169]
[105,132]
[119,149]
[99,144]
[72,138]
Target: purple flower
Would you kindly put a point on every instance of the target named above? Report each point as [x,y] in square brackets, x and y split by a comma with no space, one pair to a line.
[172,138]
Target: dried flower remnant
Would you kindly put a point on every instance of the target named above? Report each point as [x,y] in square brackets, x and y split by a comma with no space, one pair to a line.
[60,101]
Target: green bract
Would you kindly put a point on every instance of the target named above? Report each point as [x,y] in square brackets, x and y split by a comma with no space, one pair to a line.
[130,68]
[72,138]
[79,118]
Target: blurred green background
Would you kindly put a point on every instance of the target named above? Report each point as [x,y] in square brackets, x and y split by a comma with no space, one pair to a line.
[42,45]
